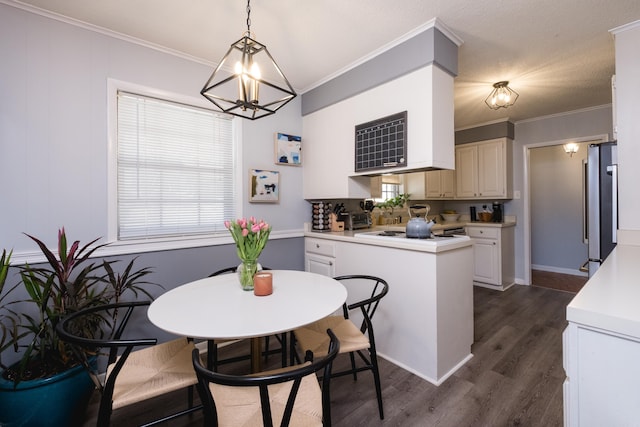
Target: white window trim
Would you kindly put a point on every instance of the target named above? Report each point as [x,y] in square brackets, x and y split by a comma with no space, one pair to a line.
[157,244]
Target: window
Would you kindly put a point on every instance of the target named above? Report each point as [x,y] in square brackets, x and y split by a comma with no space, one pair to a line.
[175,169]
[390,191]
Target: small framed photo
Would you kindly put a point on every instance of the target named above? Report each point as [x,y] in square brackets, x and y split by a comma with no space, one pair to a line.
[288,149]
[264,186]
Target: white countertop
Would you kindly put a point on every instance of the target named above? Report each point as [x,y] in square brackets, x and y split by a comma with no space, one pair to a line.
[422,245]
[491,224]
[611,298]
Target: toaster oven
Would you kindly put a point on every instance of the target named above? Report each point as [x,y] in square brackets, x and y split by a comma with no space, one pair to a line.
[355,221]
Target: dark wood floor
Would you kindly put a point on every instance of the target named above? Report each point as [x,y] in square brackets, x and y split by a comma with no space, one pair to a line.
[514,379]
[558,281]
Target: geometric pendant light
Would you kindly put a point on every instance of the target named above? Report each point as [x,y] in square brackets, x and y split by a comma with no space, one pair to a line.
[502,96]
[247,82]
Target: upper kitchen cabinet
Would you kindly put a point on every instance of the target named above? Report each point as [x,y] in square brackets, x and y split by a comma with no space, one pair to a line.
[431,185]
[483,170]
[396,81]
[440,184]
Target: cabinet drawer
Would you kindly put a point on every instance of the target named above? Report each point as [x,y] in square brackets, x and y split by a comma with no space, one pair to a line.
[320,246]
[483,232]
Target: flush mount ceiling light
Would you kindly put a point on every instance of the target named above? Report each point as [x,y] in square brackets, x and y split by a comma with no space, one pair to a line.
[571,148]
[502,96]
[252,85]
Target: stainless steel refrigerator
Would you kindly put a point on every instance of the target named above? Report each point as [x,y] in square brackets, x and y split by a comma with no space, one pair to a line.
[602,202]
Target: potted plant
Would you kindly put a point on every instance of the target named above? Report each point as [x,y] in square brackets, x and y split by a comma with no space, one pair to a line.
[8,323]
[66,283]
[394,202]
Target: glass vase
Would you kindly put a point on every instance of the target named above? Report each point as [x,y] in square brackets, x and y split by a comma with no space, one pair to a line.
[246,270]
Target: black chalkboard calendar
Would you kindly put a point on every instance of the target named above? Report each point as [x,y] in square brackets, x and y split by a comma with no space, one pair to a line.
[381,143]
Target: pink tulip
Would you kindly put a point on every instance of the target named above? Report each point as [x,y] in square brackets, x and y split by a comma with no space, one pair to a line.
[265,226]
[227,224]
[245,232]
[255,228]
[242,223]
[253,219]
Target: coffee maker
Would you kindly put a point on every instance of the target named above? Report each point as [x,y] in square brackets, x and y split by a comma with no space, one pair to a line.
[498,209]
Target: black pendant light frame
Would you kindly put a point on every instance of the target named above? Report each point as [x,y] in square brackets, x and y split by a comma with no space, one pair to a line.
[236,98]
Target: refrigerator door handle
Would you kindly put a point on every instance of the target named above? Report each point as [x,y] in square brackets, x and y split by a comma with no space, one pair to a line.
[613,170]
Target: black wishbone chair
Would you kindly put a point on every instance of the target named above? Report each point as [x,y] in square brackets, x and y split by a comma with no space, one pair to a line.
[287,396]
[353,339]
[131,376]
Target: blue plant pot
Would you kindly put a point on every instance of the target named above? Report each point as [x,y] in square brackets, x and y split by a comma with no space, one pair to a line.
[60,400]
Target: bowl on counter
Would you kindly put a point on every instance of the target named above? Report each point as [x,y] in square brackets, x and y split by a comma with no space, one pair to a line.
[450,217]
[485,216]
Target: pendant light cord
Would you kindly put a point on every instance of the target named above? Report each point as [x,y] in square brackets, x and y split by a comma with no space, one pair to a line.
[249,17]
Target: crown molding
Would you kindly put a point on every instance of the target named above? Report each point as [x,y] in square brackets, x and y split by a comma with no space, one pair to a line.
[104,31]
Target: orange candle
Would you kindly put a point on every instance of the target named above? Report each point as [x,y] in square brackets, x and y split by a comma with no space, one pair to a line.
[262,284]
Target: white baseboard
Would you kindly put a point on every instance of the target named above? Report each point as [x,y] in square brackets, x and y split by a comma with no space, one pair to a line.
[560,270]
[433,381]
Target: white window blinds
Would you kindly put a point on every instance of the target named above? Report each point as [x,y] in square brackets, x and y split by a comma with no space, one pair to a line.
[175,169]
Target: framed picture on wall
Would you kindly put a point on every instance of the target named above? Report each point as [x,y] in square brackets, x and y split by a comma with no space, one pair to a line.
[264,186]
[288,149]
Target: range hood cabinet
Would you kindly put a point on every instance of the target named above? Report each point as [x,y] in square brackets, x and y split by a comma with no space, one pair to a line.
[430,131]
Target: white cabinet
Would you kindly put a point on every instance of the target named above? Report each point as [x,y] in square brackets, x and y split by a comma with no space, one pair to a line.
[467,171]
[320,256]
[494,261]
[483,170]
[440,184]
[328,133]
[602,371]
[431,185]
[429,307]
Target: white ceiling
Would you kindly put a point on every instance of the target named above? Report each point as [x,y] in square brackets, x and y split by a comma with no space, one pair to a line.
[557,54]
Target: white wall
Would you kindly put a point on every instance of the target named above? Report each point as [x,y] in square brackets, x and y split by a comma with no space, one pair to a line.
[53,127]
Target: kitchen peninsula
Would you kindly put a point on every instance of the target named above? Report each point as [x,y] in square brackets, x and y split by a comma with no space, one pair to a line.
[425,323]
[601,344]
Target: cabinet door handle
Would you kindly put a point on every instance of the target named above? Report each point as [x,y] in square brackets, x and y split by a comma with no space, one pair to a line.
[317,246]
[494,243]
[330,262]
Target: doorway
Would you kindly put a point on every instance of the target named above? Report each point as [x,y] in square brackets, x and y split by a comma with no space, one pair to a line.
[553,213]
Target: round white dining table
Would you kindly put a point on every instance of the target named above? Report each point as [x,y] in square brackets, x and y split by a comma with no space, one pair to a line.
[218,308]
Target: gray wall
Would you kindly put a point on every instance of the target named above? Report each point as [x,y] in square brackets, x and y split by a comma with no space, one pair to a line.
[53,144]
[53,128]
[577,124]
[556,184]
[174,268]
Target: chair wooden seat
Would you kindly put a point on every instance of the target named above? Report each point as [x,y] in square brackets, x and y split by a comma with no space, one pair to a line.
[287,396]
[313,337]
[353,340]
[241,406]
[154,371]
[131,376]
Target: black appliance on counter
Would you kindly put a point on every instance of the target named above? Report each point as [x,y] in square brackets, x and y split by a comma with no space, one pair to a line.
[498,209]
